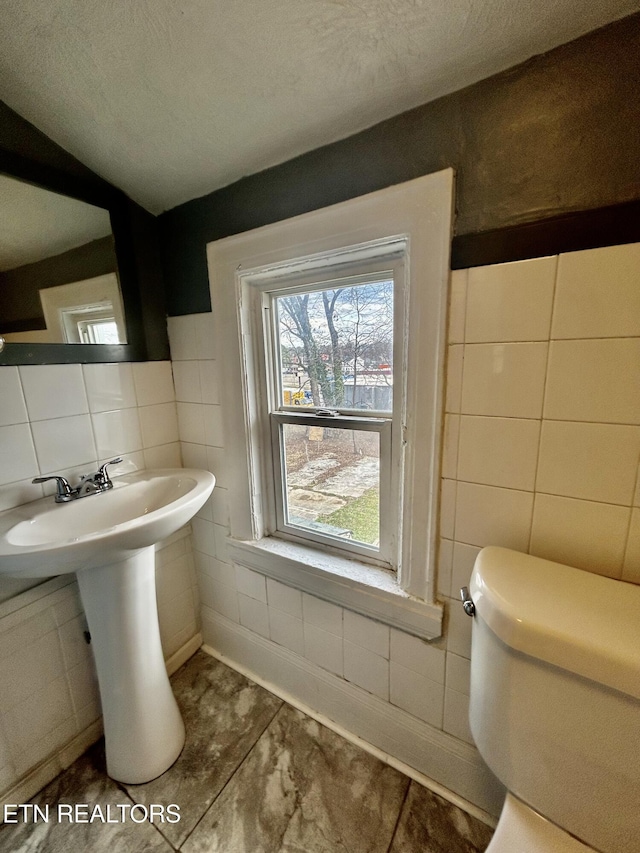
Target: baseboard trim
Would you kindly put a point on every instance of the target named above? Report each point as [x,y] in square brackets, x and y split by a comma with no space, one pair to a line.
[446,765]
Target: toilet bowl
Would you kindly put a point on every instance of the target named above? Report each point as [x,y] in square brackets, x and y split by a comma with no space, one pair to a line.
[555,703]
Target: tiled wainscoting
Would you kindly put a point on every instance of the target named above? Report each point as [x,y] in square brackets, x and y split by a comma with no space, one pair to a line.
[67,419]
[543,413]
[541,453]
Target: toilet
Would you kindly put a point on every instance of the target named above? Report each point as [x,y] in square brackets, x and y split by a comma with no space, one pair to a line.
[555,703]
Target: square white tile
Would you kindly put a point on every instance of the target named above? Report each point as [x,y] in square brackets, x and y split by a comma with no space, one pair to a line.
[504,380]
[254,615]
[366,669]
[53,390]
[584,534]
[194,456]
[109,386]
[191,422]
[598,293]
[594,380]
[159,424]
[182,337]
[323,648]
[186,376]
[487,515]
[286,630]
[416,694]
[251,583]
[418,655]
[17,454]
[163,456]
[510,302]
[116,432]
[498,451]
[592,461]
[285,598]
[219,597]
[154,382]
[322,614]
[64,443]
[367,633]
[13,409]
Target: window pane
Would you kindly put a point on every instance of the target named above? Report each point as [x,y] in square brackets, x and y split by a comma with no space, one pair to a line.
[332,481]
[336,347]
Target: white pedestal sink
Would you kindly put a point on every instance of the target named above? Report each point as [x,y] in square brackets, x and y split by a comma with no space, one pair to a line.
[108,540]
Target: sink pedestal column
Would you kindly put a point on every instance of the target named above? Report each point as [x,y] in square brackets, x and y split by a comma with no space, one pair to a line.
[144,732]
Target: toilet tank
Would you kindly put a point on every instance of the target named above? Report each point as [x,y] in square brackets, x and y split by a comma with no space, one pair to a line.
[555,692]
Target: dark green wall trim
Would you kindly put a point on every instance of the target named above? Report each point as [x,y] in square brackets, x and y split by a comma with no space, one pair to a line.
[572,232]
[557,135]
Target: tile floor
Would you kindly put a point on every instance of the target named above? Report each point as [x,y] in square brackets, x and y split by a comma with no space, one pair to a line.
[255,776]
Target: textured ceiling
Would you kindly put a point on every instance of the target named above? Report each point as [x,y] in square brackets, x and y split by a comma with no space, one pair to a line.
[171,99]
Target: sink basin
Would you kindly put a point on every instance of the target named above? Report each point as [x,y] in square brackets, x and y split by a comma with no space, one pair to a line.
[42,539]
[108,539]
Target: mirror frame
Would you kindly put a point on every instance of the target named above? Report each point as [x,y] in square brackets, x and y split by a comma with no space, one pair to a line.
[135,239]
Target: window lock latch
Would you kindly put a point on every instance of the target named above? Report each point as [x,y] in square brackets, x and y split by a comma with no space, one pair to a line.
[326,413]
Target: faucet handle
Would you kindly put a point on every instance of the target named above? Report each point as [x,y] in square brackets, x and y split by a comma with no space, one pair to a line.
[102,476]
[64,491]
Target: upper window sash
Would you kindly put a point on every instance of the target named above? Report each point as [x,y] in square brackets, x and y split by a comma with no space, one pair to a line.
[373,272]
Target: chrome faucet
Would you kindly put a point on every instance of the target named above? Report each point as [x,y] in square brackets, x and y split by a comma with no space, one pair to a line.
[90,484]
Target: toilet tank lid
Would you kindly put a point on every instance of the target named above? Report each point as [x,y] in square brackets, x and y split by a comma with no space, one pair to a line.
[577,620]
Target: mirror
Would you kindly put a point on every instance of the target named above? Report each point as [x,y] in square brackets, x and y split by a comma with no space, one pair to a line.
[59,281]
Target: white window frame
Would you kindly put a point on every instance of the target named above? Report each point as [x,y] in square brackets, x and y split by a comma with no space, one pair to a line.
[385,258]
[414,219]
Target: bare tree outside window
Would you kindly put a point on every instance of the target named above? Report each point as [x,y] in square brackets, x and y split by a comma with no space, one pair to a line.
[337,347]
[336,352]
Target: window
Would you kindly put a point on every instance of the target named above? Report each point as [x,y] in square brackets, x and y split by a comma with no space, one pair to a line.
[334,408]
[331,337]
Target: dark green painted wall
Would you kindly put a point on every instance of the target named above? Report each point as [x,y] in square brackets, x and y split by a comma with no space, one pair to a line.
[556,135]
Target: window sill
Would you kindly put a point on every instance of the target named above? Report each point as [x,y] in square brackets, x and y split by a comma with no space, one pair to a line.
[367,590]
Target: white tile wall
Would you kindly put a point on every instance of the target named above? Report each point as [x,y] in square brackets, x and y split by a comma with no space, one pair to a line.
[66,419]
[541,410]
[549,433]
